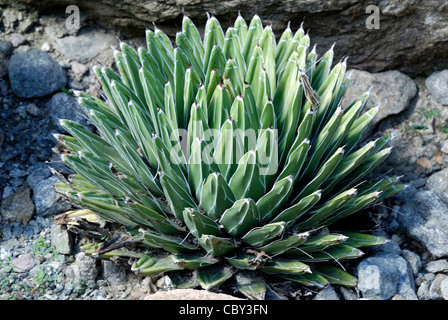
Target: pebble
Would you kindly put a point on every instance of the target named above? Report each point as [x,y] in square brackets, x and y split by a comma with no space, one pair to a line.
[437,266]
[33,109]
[444,288]
[17,39]
[24,262]
[435,292]
[413,260]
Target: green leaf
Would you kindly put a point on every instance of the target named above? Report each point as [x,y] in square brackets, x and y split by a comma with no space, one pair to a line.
[251,285]
[283,245]
[335,275]
[274,200]
[260,236]
[216,246]
[199,224]
[246,181]
[216,196]
[153,265]
[241,217]
[168,243]
[213,277]
[285,266]
[362,240]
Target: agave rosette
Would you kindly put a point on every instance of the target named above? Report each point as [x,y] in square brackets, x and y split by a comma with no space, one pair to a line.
[224,155]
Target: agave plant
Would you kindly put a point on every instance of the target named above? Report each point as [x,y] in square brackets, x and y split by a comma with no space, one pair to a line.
[228,155]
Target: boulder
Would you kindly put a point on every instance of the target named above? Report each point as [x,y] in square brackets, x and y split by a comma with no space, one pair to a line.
[35,73]
[424,217]
[382,276]
[392,90]
[48,201]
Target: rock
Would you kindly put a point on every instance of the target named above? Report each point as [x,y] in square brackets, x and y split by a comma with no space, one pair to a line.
[377,280]
[33,109]
[23,262]
[392,89]
[327,293]
[438,182]
[17,39]
[437,266]
[435,292]
[86,46]
[40,173]
[424,217]
[9,18]
[423,291]
[348,294]
[45,47]
[189,294]
[64,106]
[79,68]
[413,260]
[383,275]
[48,201]
[61,239]
[405,40]
[5,51]
[35,74]
[84,268]
[444,289]
[437,84]
[113,273]
[18,206]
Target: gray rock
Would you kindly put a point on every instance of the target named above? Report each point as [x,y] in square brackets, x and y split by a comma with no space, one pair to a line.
[40,173]
[382,276]
[437,266]
[377,279]
[327,293]
[444,288]
[24,262]
[5,51]
[64,106]
[437,84]
[35,74]
[84,267]
[17,39]
[47,200]
[18,206]
[412,34]
[392,89]
[61,239]
[435,292]
[423,291]
[348,294]
[424,217]
[113,273]
[86,46]
[438,182]
[9,17]
[413,260]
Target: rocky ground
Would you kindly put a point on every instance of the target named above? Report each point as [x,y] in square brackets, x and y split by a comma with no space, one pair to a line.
[42,260]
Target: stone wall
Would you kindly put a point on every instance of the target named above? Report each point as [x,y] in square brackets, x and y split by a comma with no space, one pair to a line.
[413,34]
